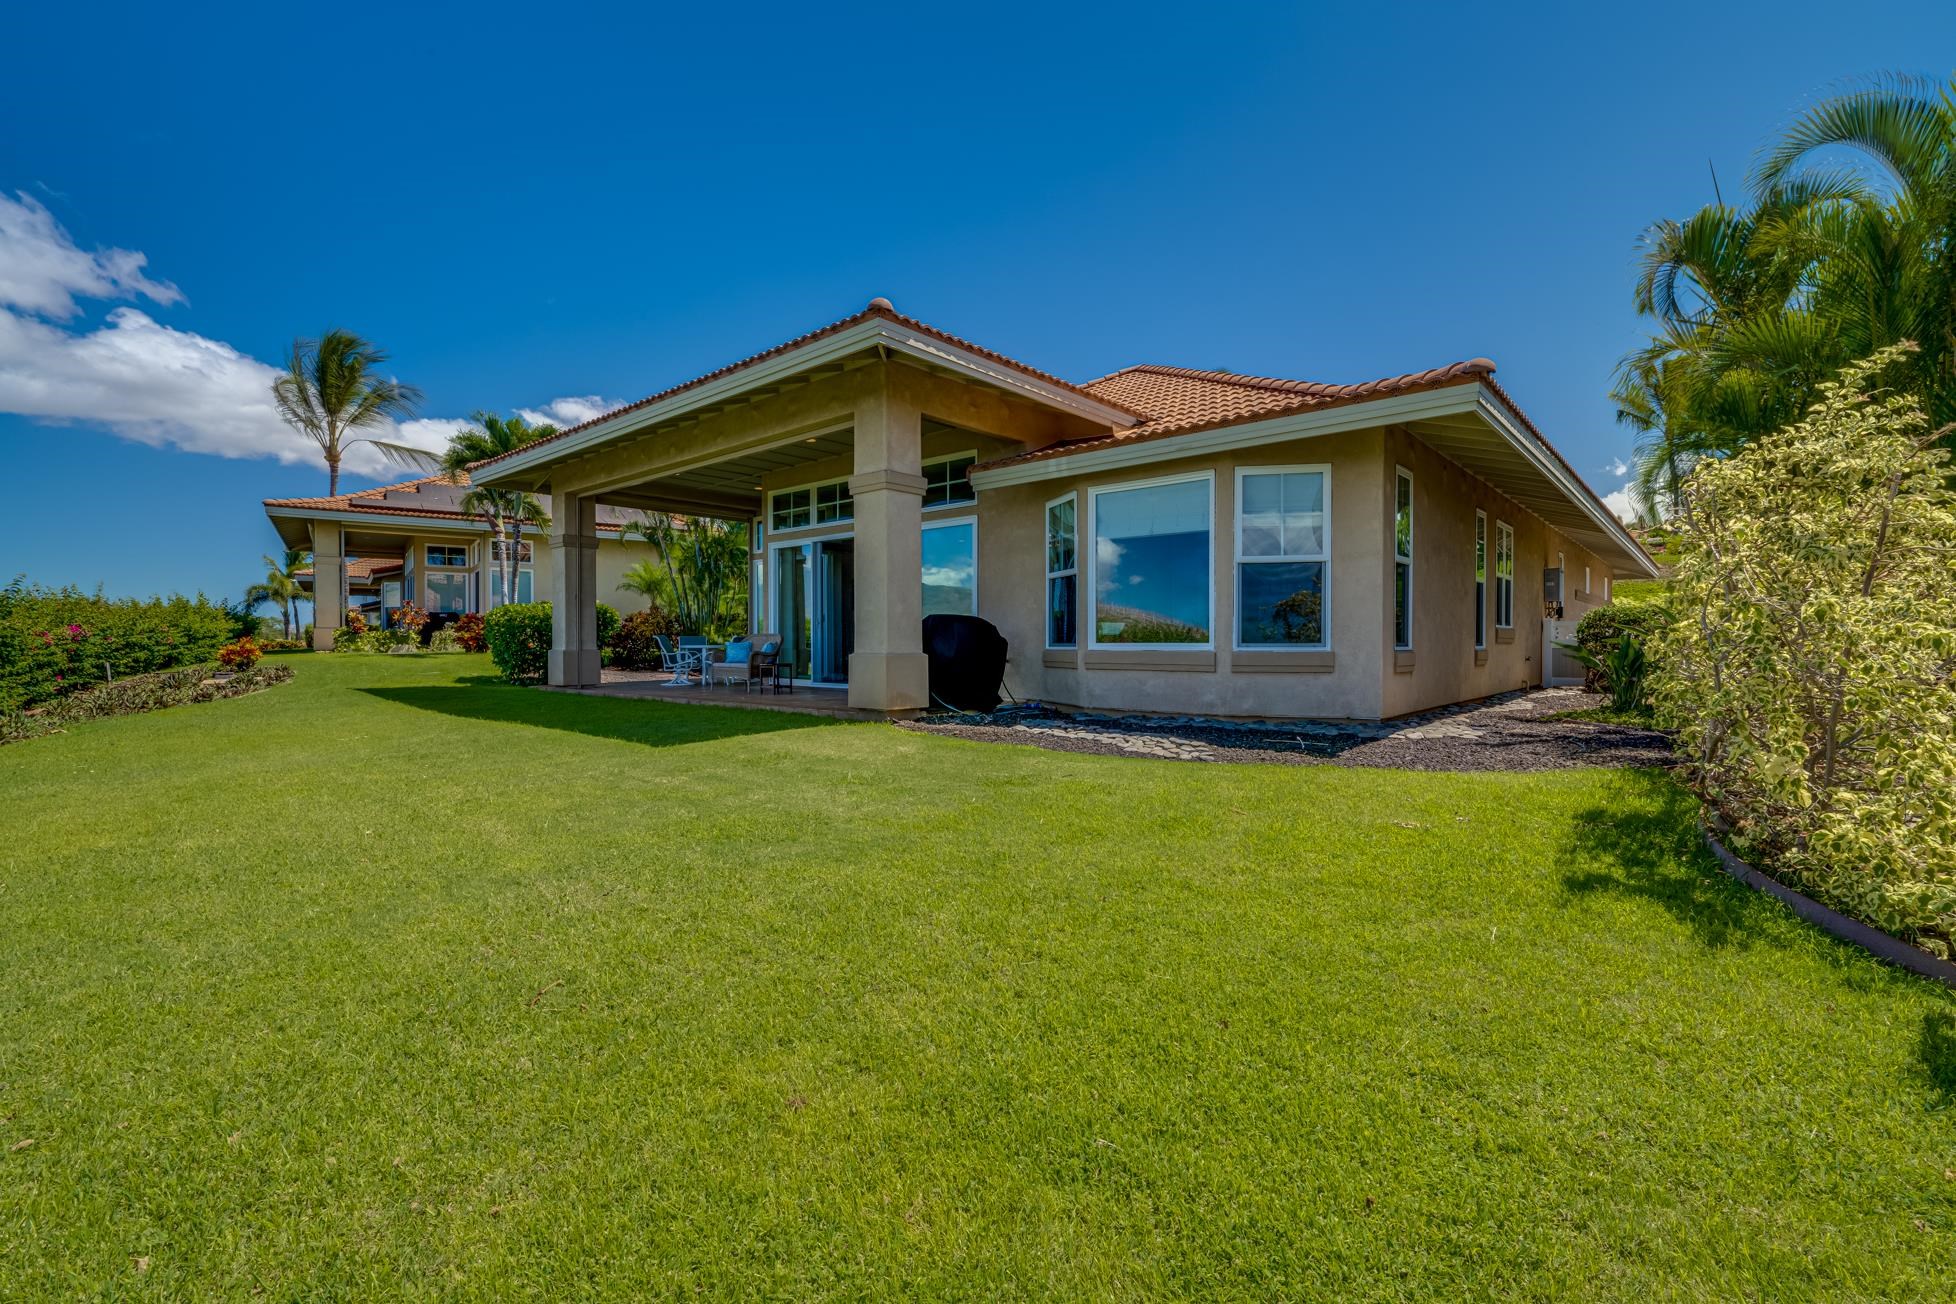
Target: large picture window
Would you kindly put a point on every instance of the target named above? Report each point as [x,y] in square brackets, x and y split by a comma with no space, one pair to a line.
[947,481]
[1504,576]
[1152,563]
[446,590]
[526,586]
[1283,551]
[1480,579]
[1062,572]
[1402,560]
[950,556]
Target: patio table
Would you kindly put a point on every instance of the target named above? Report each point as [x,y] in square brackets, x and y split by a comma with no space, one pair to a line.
[695,660]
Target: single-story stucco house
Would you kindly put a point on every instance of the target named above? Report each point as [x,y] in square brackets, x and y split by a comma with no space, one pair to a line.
[1160,539]
[412,542]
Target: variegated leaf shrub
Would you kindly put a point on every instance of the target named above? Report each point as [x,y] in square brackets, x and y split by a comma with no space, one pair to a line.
[1810,667]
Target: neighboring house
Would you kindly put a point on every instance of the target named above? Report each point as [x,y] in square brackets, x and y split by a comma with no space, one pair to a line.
[412,542]
[1160,539]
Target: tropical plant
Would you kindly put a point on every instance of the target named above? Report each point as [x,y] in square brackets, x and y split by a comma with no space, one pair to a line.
[468,631]
[1623,672]
[1754,308]
[1810,669]
[331,387]
[508,510]
[281,587]
[636,644]
[703,564]
[240,654]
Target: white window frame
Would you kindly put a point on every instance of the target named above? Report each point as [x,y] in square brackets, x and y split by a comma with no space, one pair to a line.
[1046,600]
[1403,559]
[1482,573]
[528,545]
[1585,583]
[1504,533]
[955,504]
[495,577]
[1092,536]
[812,488]
[1322,469]
[951,523]
[427,556]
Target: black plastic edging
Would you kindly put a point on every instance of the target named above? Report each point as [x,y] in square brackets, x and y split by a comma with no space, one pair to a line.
[1877,943]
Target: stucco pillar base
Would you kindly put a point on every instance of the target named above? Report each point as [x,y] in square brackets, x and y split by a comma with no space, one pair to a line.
[575,667]
[889,681]
[328,563]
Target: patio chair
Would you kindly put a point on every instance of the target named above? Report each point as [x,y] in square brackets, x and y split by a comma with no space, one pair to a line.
[694,654]
[739,661]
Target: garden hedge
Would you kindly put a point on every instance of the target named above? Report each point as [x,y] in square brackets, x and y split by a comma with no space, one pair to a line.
[57,641]
[518,635]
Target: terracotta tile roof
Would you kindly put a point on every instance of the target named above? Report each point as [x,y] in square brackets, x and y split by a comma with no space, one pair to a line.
[877,308]
[437,497]
[363,568]
[1183,400]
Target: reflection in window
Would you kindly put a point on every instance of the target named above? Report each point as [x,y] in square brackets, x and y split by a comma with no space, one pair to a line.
[791,509]
[1504,576]
[834,503]
[1062,573]
[448,555]
[950,556]
[1151,566]
[1402,562]
[446,591]
[1284,544]
[525,587]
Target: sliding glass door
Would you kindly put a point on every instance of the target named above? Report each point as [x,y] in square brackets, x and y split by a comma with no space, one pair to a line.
[815,607]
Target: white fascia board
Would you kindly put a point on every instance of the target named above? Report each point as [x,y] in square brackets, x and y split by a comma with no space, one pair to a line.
[816,353]
[1504,419]
[1331,421]
[413,524]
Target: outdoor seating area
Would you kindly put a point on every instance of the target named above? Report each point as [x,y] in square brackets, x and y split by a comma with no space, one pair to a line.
[691,661]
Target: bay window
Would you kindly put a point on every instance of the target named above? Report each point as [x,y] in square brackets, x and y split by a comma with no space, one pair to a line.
[1062,572]
[1283,555]
[1152,564]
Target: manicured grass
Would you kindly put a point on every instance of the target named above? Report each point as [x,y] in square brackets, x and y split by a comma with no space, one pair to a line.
[394,981]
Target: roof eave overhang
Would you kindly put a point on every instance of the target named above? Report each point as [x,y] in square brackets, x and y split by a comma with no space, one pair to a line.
[1473,398]
[523,467]
[382,520]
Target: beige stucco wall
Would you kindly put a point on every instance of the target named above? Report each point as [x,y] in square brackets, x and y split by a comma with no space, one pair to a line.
[1346,684]
[1443,667]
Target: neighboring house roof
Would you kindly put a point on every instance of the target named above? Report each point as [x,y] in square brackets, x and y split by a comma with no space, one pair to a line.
[360,569]
[1182,400]
[432,496]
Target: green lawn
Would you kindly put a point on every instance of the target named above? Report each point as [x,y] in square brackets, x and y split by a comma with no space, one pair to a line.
[395,981]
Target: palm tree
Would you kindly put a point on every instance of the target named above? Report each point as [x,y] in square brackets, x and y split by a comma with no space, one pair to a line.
[705,564]
[332,387]
[1754,308]
[508,510]
[281,586]
[1889,237]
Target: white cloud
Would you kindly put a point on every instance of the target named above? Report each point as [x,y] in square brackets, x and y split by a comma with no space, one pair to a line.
[1619,468]
[149,382]
[567,412]
[1618,501]
[43,271]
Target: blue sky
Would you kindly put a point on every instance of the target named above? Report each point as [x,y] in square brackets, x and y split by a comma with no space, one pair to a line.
[538,205]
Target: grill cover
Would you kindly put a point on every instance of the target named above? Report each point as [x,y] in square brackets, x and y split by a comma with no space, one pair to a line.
[967,661]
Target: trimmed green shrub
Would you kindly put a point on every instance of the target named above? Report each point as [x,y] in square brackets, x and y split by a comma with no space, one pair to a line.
[518,635]
[635,645]
[1600,634]
[446,640]
[58,641]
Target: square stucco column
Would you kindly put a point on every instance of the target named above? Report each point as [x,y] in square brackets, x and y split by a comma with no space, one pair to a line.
[574,660]
[328,579]
[887,670]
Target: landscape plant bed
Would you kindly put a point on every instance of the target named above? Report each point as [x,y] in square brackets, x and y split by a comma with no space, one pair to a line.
[138,693]
[1883,946]
[1527,730]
